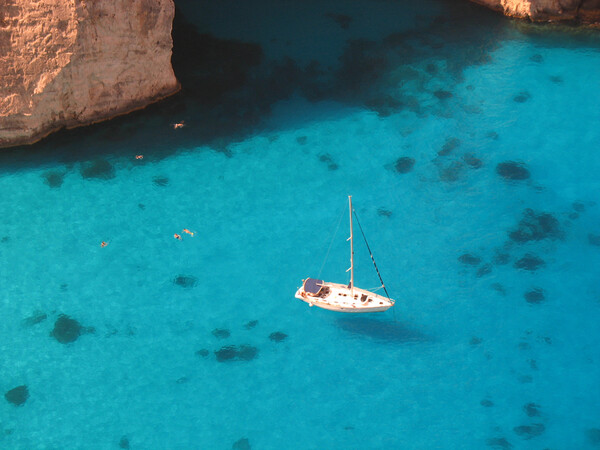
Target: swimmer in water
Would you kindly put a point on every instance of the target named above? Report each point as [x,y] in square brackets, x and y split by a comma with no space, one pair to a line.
[103,244]
[177,236]
[139,156]
[178,125]
[185,230]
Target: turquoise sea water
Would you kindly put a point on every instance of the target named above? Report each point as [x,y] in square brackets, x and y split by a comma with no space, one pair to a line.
[290,107]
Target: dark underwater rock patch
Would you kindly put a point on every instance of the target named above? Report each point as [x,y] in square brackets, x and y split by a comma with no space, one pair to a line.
[442,94]
[404,164]
[593,436]
[530,431]
[484,270]
[185,281]
[535,296]
[594,239]
[54,178]
[499,443]
[529,262]
[233,353]
[512,170]
[241,444]
[66,330]
[326,158]
[35,318]
[535,227]
[384,212]
[302,140]
[578,206]
[522,97]
[499,288]
[342,20]
[452,172]
[100,169]
[557,79]
[124,442]
[251,324]
[532,410]
[450,144]
[492,135]
[475,341]
[17,395]
[160,181]
[501,258]
[278,336]
[472,161]
[221,333]
[486,402]
[469,259]
[537,58]
[384,105]
[203,353]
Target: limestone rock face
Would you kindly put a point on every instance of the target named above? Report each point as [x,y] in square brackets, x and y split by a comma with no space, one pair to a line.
[587,11]
[65,63]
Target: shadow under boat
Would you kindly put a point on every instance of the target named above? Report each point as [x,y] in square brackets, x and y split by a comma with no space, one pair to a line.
[386,331]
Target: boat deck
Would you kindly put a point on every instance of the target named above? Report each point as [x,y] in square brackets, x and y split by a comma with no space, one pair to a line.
[339,297]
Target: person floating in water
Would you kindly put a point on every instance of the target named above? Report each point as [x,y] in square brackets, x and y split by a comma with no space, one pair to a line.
[178,125]
[103,244]
[185,230]
[177,236]
[139,156]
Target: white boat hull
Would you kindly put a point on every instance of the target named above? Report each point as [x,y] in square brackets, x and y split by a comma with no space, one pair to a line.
[339,297]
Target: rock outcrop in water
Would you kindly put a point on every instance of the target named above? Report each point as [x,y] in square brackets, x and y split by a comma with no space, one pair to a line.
[586,11]
[65,64]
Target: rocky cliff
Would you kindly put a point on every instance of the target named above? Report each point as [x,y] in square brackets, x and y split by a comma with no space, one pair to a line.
[586,11]
[65,63]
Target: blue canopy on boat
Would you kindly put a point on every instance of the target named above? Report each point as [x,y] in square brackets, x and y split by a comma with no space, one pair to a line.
[312,285]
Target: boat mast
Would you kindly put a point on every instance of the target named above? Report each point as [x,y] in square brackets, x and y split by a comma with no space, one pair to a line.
[351,239]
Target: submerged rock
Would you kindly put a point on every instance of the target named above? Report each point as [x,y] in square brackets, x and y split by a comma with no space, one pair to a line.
[484,270]
[100,169]
[530,431]
[278,336]
[160,181]
[35,318]
[593,436]
[511,170]
[221,333]
[233,353]
[241,444]
[535,227]
[535,296]
[202,353]
[469,260]
[404,164]
[531,409]
[450,144]
[529,262]
[442,94]
[124,442]
[54,178]
[487,403]
[66,330]
[499,443]
[18,395]
[251,324]
[594,239]
[185,281]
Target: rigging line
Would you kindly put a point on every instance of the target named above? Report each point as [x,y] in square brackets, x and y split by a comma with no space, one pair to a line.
[370,253]
[331,243]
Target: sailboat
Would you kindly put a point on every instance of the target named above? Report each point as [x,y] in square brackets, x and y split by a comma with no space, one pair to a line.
[342,297]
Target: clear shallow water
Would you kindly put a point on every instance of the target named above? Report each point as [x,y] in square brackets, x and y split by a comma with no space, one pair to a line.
[260,173]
